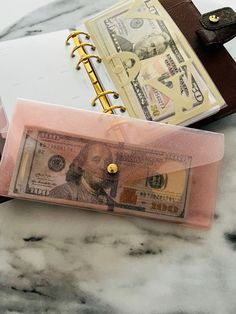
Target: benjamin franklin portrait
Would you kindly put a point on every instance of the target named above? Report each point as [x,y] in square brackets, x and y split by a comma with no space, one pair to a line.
[87,178]
[149,46]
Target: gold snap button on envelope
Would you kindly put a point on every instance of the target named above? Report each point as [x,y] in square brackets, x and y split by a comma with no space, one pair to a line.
[112,168]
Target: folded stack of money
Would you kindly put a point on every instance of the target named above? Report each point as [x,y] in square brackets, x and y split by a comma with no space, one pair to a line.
[155,70]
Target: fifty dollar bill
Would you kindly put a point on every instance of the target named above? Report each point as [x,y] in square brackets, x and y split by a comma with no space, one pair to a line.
[155,70]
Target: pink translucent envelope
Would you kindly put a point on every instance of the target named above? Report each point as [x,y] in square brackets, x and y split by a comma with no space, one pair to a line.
[3,127]
[3,122]
[164,172]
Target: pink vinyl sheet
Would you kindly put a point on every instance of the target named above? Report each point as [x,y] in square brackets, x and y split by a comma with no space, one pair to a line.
[151,158]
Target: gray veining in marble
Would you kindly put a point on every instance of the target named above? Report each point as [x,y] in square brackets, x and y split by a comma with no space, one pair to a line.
[62,260]
[54,16]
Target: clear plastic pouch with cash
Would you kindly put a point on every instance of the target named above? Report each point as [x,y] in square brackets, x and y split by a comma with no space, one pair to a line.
[111,164]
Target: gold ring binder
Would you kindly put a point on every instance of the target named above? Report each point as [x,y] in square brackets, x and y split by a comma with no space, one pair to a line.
[106,92]
[85,58]
[74,34]
[81,45]
[122,108]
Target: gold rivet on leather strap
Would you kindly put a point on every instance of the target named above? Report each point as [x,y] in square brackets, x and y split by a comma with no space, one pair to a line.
[214,18]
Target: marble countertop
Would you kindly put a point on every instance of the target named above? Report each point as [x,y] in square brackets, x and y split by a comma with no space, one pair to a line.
[61,260]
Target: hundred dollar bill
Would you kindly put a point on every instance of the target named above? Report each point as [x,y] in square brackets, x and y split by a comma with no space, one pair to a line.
[154,69]
[72,170]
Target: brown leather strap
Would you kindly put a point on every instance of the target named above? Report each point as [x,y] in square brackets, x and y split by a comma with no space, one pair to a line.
[210,38]
[218,19]
[219,26]
[218,62]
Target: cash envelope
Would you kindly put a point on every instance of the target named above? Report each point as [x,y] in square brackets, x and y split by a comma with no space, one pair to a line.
[111,163]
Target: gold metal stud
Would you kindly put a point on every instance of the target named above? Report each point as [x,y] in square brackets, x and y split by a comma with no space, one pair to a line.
[214,18]
[112,168]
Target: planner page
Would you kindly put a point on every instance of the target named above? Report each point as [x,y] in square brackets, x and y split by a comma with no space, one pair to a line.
[40,68]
